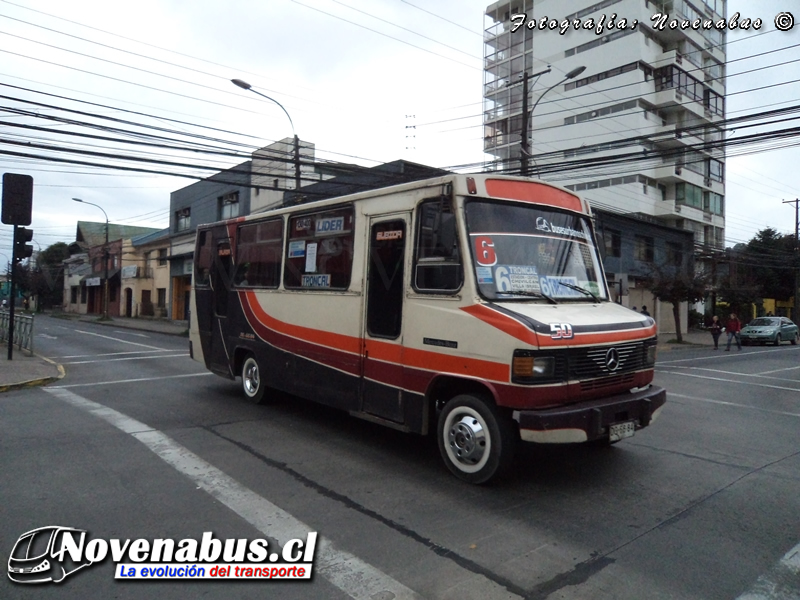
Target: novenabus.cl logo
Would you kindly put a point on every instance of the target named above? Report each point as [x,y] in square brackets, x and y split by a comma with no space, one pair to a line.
[49,554]
[39,557]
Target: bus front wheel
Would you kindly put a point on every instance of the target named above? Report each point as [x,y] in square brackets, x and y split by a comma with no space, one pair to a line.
[253,385]
[476,441]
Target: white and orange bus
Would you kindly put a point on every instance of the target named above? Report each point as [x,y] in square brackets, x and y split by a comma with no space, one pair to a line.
[474,307]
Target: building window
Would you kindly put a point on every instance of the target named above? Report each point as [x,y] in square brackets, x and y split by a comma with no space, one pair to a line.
[713,203]
[229,206]
[162,297]
[147,264]
[183,219]
[716,170]
[689,195]
[674,254]
[613,243]
[643,248]
[162,257]
[83,294]
[73,294]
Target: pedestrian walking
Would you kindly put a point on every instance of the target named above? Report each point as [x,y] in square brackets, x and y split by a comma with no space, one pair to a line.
[733,327]
[716,330]
[644,311]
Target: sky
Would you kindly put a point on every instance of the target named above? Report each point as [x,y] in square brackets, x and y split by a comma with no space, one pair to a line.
[367,81]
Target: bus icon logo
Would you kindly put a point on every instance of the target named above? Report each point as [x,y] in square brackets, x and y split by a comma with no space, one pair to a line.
[38,556]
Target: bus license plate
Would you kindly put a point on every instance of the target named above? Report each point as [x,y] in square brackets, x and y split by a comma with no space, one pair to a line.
[621,430]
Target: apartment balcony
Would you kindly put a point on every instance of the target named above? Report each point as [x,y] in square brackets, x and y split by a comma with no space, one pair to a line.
[672,173]
[670,99]
[667,136]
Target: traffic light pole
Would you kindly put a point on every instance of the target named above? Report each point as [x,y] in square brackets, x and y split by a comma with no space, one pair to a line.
[13,293]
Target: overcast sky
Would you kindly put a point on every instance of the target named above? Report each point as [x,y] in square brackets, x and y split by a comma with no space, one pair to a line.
[354,75]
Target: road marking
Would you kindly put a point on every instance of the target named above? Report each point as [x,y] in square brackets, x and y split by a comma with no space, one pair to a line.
[726,403]
[108,337]
[782,582]
[346,571]
[131,333]
[112,353]
[779,370]
[740,374]
[46,336]
[108,360]
[72,385]
[719,356]
[766,385]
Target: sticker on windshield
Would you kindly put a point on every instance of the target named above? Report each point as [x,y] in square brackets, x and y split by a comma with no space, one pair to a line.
[552,287]
[516,278]
[484,275]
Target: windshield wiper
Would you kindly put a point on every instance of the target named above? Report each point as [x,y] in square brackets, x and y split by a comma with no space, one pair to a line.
[532,295]
[578,288]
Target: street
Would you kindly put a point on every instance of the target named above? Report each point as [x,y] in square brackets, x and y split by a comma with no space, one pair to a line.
[702,505]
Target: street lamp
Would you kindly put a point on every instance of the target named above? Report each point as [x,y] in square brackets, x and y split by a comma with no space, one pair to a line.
[246,86]
[105,259]
[527,114]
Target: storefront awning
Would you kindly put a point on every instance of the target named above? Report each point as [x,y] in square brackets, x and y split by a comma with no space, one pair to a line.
[93,279]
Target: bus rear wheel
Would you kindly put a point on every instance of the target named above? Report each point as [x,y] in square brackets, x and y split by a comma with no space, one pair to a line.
[476,441]
[252,383]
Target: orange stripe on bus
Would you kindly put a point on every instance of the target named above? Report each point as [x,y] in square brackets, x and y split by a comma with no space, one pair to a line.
[503,322]
[439,362]
[338,341]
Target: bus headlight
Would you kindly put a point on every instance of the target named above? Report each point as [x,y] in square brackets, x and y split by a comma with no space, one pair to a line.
[525,367]
[650,354]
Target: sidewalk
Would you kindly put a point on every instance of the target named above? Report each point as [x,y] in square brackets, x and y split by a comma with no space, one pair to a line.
[693,338]
[26,371]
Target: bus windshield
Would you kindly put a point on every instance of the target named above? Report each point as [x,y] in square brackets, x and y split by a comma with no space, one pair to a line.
[531,251]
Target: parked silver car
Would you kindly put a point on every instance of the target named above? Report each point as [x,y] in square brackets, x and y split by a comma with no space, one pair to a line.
[770,329]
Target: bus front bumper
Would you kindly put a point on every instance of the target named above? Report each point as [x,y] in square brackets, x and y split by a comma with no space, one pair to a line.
[611,418]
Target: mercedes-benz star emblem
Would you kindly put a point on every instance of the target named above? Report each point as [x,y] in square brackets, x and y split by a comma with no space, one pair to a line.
[612,359]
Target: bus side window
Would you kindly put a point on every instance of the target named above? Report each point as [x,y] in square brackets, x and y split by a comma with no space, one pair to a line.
[258,254]
[437,262]
[203,262]
[319,252]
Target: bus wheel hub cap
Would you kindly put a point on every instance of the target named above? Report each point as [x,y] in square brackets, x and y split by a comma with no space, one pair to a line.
[467,440]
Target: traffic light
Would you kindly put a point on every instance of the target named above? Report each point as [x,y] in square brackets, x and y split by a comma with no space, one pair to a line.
[22,249]
[17,199]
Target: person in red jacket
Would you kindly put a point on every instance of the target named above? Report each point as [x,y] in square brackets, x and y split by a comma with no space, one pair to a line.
[733,327]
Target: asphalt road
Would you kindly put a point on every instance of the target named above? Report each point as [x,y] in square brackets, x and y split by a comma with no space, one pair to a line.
[704,504]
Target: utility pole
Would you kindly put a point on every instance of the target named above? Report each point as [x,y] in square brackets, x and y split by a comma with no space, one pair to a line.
[796,203]
[524,146]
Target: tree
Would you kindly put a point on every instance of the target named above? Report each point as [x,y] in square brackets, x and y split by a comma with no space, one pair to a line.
[46,275]
[676,285]
[771,257]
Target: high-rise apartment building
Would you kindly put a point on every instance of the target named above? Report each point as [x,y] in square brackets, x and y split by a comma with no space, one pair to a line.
[637,130]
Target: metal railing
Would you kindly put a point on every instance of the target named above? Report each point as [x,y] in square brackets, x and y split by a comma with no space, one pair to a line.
[23,330]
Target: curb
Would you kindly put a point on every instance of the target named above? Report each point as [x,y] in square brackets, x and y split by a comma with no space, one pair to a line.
[36,382]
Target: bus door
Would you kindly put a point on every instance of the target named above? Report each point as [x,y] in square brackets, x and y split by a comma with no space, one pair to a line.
[382,350]
[221,274]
